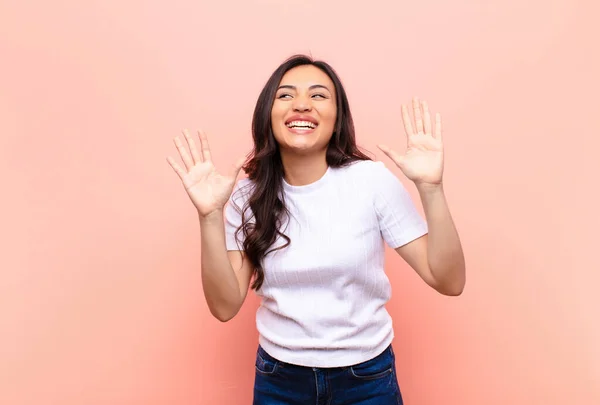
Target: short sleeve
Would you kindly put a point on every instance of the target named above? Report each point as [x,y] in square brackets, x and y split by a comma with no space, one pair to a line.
[233,215]
[399,220]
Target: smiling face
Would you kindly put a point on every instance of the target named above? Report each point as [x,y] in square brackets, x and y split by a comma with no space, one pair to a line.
[304,111]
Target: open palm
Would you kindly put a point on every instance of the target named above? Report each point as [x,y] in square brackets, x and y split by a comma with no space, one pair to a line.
[423,161]
[208,189]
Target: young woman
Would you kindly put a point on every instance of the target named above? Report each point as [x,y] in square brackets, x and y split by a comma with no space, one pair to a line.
[307,230]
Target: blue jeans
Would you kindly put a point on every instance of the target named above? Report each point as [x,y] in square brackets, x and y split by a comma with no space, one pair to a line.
[372,382]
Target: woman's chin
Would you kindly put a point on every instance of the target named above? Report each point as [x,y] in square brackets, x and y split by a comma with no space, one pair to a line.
[303,144]
[300,141]
[306,150]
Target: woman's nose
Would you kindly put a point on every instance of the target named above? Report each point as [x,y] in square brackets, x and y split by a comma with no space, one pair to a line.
[301,104]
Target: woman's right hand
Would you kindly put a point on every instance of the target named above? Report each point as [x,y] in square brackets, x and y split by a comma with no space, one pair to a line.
[208,189]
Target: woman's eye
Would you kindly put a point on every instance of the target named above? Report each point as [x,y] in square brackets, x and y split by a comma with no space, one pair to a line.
[286,95]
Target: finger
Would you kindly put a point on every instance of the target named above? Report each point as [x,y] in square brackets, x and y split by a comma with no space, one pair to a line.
[426,118]
[185,156]
[418,116]
[395,156]
[180,172]
[192,145]
[204,145]
[438,126]
[407,124]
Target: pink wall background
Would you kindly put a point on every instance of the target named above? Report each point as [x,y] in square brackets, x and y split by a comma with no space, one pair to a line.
[100,293]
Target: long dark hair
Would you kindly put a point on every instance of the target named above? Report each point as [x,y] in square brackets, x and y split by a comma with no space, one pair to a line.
[265,170]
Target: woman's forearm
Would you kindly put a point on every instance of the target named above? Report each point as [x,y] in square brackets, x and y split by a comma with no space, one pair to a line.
[219,282]
[444,250]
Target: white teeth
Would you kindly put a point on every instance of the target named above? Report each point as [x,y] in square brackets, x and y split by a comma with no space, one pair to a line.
[301,124]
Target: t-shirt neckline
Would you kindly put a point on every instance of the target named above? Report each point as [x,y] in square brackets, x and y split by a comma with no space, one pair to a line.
[307,187]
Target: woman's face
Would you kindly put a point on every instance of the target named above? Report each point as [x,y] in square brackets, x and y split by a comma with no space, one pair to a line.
[304,111]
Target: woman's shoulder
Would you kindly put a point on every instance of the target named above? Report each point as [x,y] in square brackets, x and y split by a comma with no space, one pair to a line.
[366,168]
[242,190]
[244,184]
[372,175]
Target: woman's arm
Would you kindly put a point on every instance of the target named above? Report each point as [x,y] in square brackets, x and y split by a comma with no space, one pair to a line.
[438,256]
[226,274]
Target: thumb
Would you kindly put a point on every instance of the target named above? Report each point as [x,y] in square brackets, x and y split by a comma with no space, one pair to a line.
[237,166]
[395,156]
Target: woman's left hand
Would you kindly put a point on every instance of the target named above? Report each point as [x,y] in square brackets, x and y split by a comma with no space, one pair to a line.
[423,162]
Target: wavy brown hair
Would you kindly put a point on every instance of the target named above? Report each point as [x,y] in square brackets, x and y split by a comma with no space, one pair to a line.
[265,170]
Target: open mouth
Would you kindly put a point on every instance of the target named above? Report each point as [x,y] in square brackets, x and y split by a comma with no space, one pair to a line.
[305,125]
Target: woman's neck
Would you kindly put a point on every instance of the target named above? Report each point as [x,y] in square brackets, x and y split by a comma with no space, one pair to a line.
[301,170]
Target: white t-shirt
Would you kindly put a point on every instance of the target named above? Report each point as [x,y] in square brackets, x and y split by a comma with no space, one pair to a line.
[323,297]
